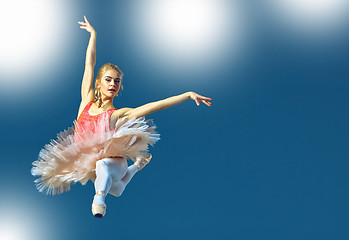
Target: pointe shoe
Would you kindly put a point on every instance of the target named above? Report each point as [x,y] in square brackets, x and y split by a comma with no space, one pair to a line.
[98,210]
[142,161]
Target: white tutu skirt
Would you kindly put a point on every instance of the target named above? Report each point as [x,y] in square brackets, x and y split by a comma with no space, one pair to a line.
[72,157]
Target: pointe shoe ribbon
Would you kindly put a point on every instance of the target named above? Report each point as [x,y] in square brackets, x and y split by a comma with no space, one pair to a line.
[99,210]
[141,161]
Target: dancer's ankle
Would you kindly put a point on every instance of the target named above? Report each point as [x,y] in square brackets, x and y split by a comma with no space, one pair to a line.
[99,198]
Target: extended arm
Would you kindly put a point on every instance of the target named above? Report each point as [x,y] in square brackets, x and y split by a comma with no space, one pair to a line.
[87,92]
[166,103]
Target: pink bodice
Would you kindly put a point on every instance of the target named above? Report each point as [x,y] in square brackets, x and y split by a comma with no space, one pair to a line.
[87,122]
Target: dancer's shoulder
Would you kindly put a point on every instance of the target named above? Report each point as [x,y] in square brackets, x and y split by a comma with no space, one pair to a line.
[122,112]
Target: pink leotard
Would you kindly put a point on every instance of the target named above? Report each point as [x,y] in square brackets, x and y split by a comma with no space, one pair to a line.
[86,121]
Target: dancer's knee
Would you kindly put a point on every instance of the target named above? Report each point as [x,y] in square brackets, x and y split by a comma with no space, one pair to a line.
[117,188]
[100,164]
[101,167]
[116,194]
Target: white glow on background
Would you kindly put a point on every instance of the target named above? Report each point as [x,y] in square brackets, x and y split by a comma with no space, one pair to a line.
[315,16]
[32,35]
[20,222]
[13,230]
[188,32]
[185,25]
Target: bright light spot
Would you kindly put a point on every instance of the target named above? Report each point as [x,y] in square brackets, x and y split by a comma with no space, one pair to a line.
[185,25]
[22,223]
[313,15]
[31,37]
[188,33]
[10,231]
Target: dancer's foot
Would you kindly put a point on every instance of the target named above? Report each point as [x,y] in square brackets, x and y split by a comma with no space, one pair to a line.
[141,161]
[98,206]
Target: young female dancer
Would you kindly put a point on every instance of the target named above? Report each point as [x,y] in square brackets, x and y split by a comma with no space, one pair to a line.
[103,137]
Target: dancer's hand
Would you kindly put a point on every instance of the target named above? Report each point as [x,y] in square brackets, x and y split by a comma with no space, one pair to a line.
[87,26]
[198,98]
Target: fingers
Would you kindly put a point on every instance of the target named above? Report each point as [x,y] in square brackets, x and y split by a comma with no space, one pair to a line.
[198,98]
[207,103]
[87,22]
[206,98]
[197,101]
[84,23]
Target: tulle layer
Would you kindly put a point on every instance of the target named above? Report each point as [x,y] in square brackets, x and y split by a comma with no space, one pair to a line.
[72,157]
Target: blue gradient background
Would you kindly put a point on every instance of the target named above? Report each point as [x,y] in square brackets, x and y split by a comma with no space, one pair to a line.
[268,160]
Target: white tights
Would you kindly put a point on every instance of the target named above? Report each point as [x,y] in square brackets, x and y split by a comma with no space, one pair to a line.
[112,176]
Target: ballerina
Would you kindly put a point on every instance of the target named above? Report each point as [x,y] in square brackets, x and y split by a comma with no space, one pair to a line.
[103,137]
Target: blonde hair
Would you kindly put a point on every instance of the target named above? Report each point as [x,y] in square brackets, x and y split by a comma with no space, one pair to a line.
[101,72]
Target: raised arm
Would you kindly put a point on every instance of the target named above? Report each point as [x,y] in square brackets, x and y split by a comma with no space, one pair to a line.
[87,92]
[165,103]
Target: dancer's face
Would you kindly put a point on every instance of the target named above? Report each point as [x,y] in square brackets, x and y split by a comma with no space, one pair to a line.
[110,83]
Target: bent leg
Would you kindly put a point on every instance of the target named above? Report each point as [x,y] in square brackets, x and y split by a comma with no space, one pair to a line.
[118,187]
